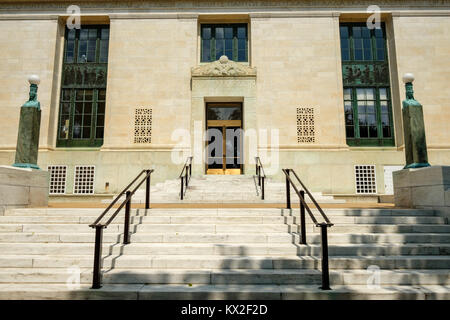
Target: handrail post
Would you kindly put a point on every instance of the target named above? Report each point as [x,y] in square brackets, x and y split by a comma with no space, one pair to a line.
[325,269]
[190,169]
[259,175]
[262,189]
[182,185]
[126,229]
[97,273]
[147,191]
[302,219]
[186,178]
[288,191]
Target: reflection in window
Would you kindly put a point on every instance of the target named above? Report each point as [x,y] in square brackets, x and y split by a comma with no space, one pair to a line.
[224,113]
[365,74]
[230,40]
[83,92]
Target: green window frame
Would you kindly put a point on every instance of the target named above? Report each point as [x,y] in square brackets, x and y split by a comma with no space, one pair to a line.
[367,99]
[230,40]
[83,87]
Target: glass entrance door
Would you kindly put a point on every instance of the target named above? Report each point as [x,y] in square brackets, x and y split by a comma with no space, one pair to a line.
[224,139]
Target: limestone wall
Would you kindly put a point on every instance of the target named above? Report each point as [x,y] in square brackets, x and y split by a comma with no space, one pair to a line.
[21,187]
[297,56]
[28,47]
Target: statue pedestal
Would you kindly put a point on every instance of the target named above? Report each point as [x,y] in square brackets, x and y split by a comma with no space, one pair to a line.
[423,188]
[21,187]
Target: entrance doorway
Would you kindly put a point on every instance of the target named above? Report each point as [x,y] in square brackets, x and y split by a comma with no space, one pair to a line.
[224,138]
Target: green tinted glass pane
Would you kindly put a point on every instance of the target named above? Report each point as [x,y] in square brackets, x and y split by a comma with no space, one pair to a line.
[206,50]
[92,33]
[206,33]
[65,96]
[373,132]
[88,95]
[363,132]
[84,34]
[370,94]
[383,93]
[343,31]
[87,108]
[356,32]
[79,108]
[361,94]
[349,131]
[65,108]
[99,132]
[228,32]
[347,94]
[79,95]
[371,106]
[105,33]
[242,32]
[101,108]
[219,33]
[378,32]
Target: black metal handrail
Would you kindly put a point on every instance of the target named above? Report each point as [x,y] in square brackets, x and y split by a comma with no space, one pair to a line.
[323,225]
[96,278]
[187,170]
[261,176]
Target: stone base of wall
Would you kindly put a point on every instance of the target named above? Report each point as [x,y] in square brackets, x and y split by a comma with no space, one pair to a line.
[22,188]
[423,188]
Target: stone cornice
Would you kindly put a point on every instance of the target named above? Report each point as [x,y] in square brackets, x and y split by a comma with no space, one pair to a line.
[223,68]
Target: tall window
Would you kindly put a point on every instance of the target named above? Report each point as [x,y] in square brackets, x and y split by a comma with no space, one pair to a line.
[230,40]
[83,88]
[365,72]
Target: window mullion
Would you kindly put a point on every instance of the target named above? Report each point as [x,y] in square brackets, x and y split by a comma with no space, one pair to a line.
[94,115]
[97,45]
[71,114]
[355,112]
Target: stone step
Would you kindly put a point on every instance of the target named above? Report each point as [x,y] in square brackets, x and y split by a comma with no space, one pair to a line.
[386,228]
[220,262]
[223,238]
[227,276]
[186,237]
[47,291]
[258,249]
[220,212]
[247,219]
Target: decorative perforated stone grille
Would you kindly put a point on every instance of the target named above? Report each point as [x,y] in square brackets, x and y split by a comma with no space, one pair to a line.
[58,177]
[84,180]
[305,125]
[365,179]
[143,125]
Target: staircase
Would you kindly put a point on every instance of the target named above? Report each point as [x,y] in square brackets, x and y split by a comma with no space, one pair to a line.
[225,254]
[221,189]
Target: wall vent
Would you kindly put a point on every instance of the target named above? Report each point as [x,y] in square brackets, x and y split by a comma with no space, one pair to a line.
[365,179]
[84,180]
[143,125]
[305,125]
[58,178]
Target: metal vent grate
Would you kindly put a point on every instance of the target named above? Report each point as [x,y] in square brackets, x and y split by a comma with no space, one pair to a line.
[365,179]
[305,125]
[58,177]
[84,180]
[143,125]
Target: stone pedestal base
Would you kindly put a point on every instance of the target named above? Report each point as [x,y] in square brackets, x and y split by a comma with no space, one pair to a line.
[424,188]
[22,188]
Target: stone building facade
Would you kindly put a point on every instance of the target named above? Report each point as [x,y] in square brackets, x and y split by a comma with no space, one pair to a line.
[139,83]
